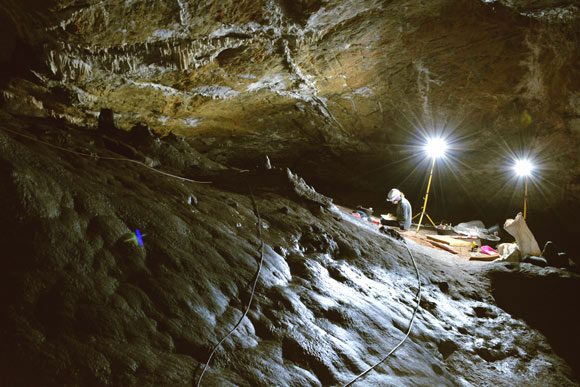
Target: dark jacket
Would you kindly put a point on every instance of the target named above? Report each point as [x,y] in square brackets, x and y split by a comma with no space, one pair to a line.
[404,214]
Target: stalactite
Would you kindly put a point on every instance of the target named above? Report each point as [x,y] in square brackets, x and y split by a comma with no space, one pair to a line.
[183,12]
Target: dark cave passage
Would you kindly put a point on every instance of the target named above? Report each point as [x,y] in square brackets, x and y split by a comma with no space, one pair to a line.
[550,304]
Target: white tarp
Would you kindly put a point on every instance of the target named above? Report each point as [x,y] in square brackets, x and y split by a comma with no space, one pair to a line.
[525,240]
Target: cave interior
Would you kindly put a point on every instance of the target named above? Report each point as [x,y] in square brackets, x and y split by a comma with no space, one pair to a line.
[177,179]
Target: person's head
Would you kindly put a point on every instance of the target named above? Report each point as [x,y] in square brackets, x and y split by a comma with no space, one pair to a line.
[394,196]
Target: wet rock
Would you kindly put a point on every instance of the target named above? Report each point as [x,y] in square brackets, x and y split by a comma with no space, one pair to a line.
[337,274]
[315,240]
[438,370]
[83,306]
[490,354]
[443,286]
[307,192]
[281,251]
[305,352]
[428,304]
[484,312]
[339,315]
[347,249]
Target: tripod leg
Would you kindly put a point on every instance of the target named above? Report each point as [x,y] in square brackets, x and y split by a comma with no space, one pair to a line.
[426,196]
[431,220]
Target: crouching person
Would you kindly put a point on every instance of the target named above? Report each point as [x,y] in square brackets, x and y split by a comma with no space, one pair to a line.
[404,212]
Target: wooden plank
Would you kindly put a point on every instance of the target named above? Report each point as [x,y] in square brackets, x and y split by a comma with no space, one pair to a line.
[444,247]
[482,257]
[446,239]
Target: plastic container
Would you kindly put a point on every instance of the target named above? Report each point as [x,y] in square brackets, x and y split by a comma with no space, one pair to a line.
[445,230]
[490,240]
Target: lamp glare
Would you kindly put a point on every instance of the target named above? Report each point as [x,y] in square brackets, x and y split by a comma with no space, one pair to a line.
[435,148]
[523,167]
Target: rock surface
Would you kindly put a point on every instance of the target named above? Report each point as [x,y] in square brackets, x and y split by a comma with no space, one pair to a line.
[83,305]
[105,106]
[341,91]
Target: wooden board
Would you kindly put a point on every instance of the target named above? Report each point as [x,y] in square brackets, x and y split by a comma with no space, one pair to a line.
[444,247]
[482,257]
[446,239]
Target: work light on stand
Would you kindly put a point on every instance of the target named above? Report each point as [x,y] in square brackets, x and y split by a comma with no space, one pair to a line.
[524,168]
[435,148]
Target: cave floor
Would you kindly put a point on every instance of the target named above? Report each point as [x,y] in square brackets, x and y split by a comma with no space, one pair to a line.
[84,307]
[453,253]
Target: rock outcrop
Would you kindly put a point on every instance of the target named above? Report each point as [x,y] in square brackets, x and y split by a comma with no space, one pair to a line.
[84,305]
[112,112]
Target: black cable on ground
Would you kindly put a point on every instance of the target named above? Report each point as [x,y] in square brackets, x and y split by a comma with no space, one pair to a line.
[257,212]
[410,322]
[254,205]
[259,225]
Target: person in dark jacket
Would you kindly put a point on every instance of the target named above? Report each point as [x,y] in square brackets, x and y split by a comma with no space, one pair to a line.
[404,212]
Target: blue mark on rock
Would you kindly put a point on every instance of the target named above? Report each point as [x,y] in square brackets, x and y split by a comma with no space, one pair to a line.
[139,237]
[136,237]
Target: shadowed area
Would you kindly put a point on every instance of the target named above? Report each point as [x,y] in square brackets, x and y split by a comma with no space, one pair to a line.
[548,303]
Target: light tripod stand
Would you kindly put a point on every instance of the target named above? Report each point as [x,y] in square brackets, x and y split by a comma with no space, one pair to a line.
[424,208]
[435,148]
[524,168]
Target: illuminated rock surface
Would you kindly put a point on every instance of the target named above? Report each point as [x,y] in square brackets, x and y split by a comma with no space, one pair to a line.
[82,306]
[336,91]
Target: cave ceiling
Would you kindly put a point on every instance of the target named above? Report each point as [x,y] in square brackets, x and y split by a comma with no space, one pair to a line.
[369,78]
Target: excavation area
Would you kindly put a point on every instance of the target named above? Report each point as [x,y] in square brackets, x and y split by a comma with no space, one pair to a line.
[289,193]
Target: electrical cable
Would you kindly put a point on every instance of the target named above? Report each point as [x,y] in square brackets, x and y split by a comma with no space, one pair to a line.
[410,322]
[95,156]
[259,225]
[257,212]
[254,205]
